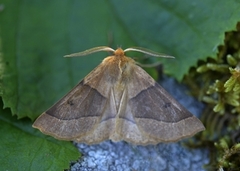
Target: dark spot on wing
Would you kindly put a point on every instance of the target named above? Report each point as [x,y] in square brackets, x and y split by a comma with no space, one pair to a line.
[167,105]
[70,102]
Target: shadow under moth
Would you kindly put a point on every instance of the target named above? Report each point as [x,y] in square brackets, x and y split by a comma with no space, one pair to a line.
[118,100]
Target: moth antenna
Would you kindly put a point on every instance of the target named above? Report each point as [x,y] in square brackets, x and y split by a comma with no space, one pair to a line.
[148,52]
[90,51]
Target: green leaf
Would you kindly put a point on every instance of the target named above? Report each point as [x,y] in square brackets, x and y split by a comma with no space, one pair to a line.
[23,148]
[35,36]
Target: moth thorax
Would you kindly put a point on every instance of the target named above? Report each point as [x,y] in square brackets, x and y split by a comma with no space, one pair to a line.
[126,71]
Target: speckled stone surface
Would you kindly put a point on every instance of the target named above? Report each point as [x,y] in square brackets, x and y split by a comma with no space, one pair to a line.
[121,156]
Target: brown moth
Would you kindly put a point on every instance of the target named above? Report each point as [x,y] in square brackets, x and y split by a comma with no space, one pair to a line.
[118,100]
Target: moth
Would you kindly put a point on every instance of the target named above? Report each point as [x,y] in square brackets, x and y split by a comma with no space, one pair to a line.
[118,100]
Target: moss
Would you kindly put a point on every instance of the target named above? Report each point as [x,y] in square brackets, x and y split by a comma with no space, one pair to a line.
[216,82]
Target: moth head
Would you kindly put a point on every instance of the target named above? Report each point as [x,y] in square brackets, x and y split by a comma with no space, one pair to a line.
[119,52]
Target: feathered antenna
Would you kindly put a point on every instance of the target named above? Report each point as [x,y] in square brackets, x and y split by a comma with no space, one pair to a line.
[148,52]
[90,51]
[108,49]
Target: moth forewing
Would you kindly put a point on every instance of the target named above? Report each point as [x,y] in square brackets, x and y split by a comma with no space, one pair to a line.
[118,100]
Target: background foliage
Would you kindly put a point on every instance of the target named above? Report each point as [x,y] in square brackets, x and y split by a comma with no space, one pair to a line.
[36,34]
[216,82]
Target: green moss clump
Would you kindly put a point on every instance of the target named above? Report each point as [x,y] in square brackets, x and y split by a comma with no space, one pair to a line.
[216,82]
